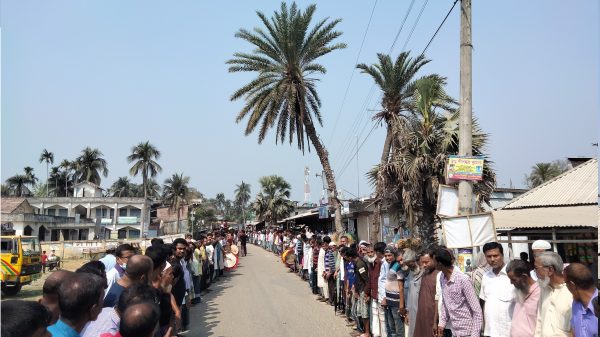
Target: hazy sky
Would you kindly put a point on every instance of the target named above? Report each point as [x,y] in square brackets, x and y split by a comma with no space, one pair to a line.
[109,74]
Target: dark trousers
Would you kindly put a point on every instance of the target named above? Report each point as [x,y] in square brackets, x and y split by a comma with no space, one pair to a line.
[331,286]
[197,288]
[185,316]
[212,273]
[244,251]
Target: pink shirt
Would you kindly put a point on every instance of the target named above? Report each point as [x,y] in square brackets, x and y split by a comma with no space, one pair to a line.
[525,314]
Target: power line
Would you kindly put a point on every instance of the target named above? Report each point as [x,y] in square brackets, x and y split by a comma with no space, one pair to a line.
[415,25]
[439,27]
[365,103]
[352,73]
[403,48]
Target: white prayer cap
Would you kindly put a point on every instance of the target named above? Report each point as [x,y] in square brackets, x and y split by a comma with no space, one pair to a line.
[363,243]
[541,244]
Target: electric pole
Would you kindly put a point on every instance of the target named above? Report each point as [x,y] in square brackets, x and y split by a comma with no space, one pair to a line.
[357,172]
[465,188]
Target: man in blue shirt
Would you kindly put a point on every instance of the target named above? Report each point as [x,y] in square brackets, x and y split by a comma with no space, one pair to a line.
[80,299]
[582,285]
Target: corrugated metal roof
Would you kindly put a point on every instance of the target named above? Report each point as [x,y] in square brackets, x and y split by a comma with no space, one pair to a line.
[577,186]
[569,216]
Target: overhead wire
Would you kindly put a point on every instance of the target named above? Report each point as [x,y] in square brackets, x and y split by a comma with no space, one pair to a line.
[353,155]
[361,117]
[422,53]
[352,74]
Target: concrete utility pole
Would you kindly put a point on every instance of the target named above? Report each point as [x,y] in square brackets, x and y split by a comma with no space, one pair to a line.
[465,188]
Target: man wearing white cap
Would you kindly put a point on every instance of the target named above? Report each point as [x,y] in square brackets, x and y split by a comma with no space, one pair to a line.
[538,247]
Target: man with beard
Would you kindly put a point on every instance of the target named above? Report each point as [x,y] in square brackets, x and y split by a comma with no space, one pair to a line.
[582,284]
[374,257]
[496,293]
[414,286]
[527,293]
[554,311]
[425,318]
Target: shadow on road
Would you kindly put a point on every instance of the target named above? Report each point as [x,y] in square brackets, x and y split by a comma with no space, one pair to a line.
[204,316]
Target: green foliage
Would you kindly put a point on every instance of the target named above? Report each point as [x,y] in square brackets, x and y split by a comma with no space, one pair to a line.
[542,172]
[90,165]
[272,203]
[143,158]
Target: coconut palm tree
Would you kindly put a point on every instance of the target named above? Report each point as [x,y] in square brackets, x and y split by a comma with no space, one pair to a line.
[396,81]
[67,167]
[242,197]
[542,172]
[122,187]
[273,201]
[220,203]
[48,158]
[175,192]
[143,158]
[29,173]
[18,183]
[420,149]
[284,93]
[152,189]
[90,165]
[54,175]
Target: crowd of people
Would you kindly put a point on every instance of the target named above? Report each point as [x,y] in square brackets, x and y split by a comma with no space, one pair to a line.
[400,289]
[127,293]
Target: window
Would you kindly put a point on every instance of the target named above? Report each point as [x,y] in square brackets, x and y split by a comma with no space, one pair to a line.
[30,246]
[8,246]
[63,212]
[112,213]
[123,212]
[135,212]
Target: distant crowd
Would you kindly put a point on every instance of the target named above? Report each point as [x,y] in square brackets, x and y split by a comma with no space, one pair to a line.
[400,289]
[127,293]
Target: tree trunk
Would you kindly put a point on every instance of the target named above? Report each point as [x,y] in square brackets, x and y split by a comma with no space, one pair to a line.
[376,220]
[47,180]
[331,185]
[145,208]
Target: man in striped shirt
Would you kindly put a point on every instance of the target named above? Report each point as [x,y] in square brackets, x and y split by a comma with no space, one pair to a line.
[330,269]
[460,304]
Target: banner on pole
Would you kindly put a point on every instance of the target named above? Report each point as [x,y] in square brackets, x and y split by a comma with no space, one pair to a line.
[465,168]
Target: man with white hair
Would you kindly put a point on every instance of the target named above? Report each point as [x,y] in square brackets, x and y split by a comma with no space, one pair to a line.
[409,259]
[527,293]
[538,247]
[554,311]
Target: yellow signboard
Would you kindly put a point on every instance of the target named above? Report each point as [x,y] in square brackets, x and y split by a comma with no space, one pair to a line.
[465,168]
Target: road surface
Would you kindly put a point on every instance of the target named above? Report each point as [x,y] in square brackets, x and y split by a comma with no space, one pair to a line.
[262,299]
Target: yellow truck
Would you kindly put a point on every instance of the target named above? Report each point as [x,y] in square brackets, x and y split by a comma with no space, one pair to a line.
[21,262]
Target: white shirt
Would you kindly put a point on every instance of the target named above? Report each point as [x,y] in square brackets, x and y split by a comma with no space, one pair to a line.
[112,276]
[498,294]
[554,312]
[209,253]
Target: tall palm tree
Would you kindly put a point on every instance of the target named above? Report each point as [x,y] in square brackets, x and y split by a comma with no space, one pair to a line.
[284,93]
[143,158]
[420,149]
[175,192]
[122,187]
[220,203]
[396,81]
[67,167]
[48,158]
[18,182]
[542,172]
[54,175]
[242,197]
[90,165]
[29,173]
[273,201]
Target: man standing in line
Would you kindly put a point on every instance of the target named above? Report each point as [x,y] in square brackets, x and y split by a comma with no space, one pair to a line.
[139,270]
[243,239]
[496,293]
[414,286]
[426,313]
[527,293]
[329,271]
[183,285]
[210,251]
[123,253]
[360,285]
[554,310]
[374,261]
[582,284]
[460,305]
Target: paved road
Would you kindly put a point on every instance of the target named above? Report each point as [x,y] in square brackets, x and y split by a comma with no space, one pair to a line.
[262,299]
